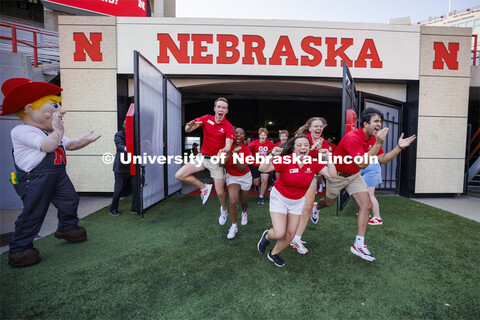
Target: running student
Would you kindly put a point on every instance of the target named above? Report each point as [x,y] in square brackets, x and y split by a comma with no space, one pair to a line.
[313,129]
[262,147]
[239,182]
[283,136]
[218,136]
[288,194]
[366,140]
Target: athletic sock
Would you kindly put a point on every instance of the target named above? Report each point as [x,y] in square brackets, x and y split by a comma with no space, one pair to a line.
[359,241]
[234,224]
[297,238]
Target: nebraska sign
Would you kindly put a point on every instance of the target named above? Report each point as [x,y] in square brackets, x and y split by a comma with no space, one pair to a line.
[269,48]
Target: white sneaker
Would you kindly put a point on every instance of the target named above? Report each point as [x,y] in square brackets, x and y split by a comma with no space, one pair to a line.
[314,213]
[232,231]
[205,192]
[244,218]
[375,221]
[299,246]
[362,252]
[223,217]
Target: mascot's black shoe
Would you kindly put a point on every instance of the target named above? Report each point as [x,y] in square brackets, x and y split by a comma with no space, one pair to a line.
[78,234]
[25,258]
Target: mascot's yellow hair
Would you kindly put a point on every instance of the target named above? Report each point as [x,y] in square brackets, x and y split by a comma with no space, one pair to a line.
[38,104]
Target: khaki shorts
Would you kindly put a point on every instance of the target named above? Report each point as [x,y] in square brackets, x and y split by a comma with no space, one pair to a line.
[244,181]
[279,203]
[353,184]
[216,172]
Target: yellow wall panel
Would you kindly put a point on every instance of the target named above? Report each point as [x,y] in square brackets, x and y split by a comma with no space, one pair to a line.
[90,174]
[77,124]
[68,46]
[89,89]
[439,176]
[427,55]
[443,96]
[441,137]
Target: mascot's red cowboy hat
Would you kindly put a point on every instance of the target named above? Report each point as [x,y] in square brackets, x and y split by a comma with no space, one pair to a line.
[19,92]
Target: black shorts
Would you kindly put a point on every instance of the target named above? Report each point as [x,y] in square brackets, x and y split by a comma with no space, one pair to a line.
[255,172]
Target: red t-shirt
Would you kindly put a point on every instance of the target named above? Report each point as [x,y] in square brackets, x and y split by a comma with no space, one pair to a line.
[333,146]
[263,149]
[293,181]
[231,167]
[354,143]
[215,134]
[314,153]
[277,144]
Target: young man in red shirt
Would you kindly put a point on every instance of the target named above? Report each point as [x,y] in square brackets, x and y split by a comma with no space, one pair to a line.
[366,140]
[262,147]
[218,136]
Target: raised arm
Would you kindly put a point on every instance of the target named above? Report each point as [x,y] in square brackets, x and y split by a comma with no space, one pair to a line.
[83,141]
[192,125]
[51,142]
[402,144]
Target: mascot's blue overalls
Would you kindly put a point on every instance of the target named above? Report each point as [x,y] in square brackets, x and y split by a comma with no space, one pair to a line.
[47,182]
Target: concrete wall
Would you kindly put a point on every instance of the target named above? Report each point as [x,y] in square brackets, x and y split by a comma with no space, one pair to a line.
[442,113]
[13,65]
[91,101]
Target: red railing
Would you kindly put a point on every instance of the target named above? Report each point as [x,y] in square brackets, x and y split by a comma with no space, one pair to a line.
[478,145]
[33,44]
[474,50]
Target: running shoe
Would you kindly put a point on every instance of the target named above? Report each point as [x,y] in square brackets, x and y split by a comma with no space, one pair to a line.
[298,245]
[263,243]
[223,217]
[244,218]
[314,213]
[114,213]
[205,192]
[232,231]
[375,221]
[261,200]
[275,258]
[362,253]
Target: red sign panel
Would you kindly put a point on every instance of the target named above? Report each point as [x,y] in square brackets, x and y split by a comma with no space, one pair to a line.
[118,8]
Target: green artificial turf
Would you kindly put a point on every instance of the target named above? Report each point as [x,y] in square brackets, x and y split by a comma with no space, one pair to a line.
[178,264]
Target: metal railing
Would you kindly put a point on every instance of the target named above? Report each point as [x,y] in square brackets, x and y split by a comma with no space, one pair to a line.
[36,33]
[475,51]
[471,143]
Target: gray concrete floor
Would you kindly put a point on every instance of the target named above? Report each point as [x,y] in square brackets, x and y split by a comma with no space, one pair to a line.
[465,206]
[86,206]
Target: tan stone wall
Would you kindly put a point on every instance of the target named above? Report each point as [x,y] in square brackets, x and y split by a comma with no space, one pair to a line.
[442,114]
[90,97]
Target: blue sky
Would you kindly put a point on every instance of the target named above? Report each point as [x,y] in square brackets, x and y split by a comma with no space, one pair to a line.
[375,11]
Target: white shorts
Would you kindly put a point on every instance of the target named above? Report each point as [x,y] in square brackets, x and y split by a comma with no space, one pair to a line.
[279,203]
[244,181]
[216,172]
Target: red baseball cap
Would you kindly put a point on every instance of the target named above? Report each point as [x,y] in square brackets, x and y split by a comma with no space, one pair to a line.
[19,92]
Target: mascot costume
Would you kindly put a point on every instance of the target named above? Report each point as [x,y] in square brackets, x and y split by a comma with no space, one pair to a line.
[39,156]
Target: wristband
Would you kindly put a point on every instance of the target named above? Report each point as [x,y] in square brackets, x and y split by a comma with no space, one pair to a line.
[400,147]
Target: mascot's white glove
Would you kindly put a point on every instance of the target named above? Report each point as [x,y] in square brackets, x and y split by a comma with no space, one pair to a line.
[51,142]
